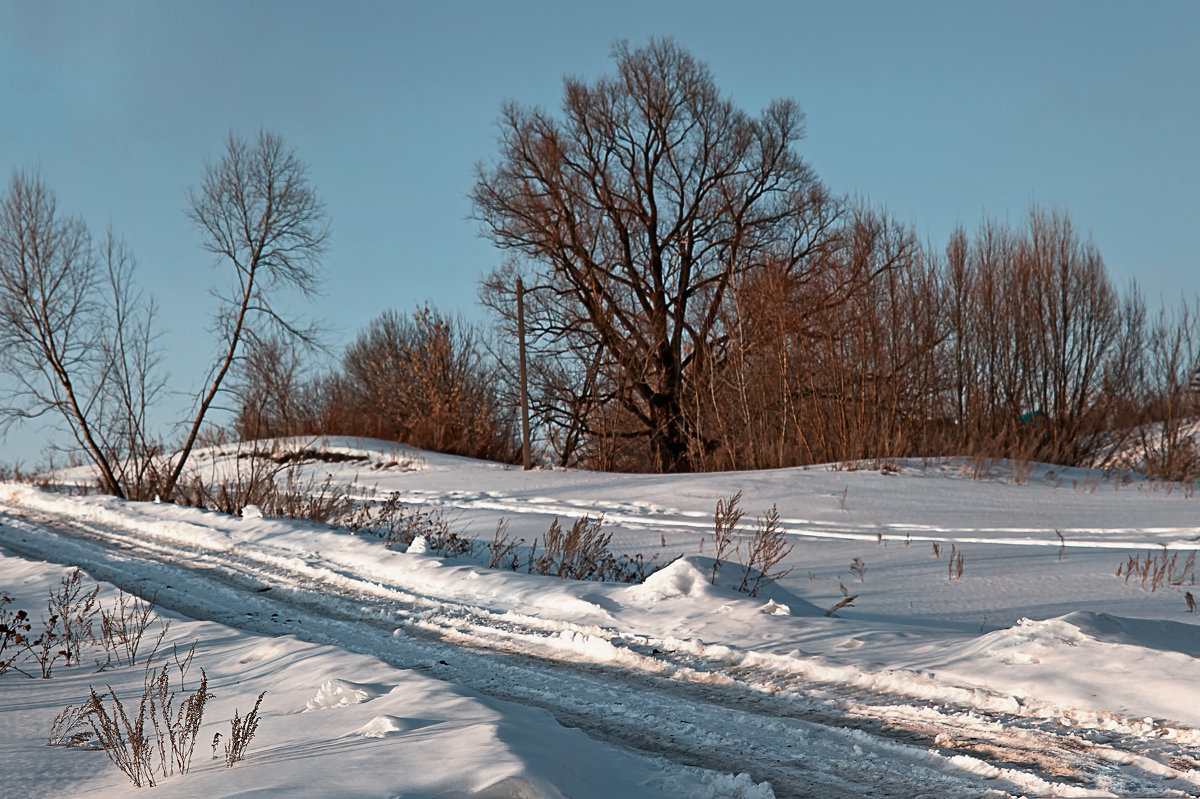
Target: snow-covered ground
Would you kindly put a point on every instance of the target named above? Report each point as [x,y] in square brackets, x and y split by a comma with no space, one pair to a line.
[1039,671]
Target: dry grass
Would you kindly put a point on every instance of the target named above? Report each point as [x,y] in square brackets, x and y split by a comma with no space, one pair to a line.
[583,553]
[502,552]
[954,566]
[1155,570]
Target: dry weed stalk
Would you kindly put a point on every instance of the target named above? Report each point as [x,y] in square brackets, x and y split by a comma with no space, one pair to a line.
[858,567]
[844,602]
[123,627]
[75,609]
[954,565]
[1159,570]
[766,550]
[241,732]
[725,522]
[502,552]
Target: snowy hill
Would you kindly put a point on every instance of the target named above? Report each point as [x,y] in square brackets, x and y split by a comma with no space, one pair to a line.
[1036,670]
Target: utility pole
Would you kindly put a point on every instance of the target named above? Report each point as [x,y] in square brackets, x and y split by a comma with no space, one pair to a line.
[525,456]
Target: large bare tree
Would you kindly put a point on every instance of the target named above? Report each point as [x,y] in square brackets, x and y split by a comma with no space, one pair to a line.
[634,214]
[76,339]
[260,216]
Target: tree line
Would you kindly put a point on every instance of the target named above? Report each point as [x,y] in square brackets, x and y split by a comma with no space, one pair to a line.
[695,299]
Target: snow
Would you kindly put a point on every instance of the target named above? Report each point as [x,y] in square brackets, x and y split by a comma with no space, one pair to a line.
[1038,672]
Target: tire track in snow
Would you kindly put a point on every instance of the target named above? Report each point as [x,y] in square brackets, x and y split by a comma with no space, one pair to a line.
[657,723]
[1182,538]
[1024,753]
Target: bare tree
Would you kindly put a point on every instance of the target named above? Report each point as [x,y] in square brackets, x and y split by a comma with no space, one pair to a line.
[75,338]
[637,211]
[260,216]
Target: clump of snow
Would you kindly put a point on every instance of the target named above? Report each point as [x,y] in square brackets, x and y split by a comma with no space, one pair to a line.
[419,546]
[383,726]
[680,578]
[252,512]
[773,608]
[339,693]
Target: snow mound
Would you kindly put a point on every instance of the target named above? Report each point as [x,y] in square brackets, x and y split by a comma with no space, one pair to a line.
[1167,636]
[252,512]
[690,577]
[682,577]
[419,546]
[383,726]
[1085,626]
[340,693]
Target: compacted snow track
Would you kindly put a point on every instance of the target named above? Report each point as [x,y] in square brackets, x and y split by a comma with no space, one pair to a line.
[809,731]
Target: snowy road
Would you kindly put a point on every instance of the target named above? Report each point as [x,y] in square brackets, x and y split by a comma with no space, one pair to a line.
[810,730]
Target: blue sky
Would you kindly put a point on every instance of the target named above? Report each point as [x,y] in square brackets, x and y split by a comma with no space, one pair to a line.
[941,111]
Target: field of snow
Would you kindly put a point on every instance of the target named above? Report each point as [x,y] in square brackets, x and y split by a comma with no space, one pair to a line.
[1037,672]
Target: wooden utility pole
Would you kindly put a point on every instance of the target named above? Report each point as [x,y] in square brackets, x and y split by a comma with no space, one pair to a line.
[525,456]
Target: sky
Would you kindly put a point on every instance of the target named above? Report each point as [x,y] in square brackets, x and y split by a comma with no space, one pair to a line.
[942,112]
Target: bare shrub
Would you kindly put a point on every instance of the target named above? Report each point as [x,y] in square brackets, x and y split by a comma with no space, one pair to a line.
[159,739]
[76,610]
[15,627]
[253,484]
[577,554]
[324,503]
[502,552]
[241,732]
[766,550]
[176,727]
[725,522]
[425,380]
[70,728]
[400,523]
[127,743]
[46,647]
[123,627]
[582,553]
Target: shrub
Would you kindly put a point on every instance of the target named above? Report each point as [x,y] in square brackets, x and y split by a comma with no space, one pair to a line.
[766,550]
[502,552]
[123,627]
[159,739]
[14,632]
[582,553]
[75,609]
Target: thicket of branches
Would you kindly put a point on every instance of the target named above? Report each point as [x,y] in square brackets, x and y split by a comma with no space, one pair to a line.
[424,379]
[1011,342]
